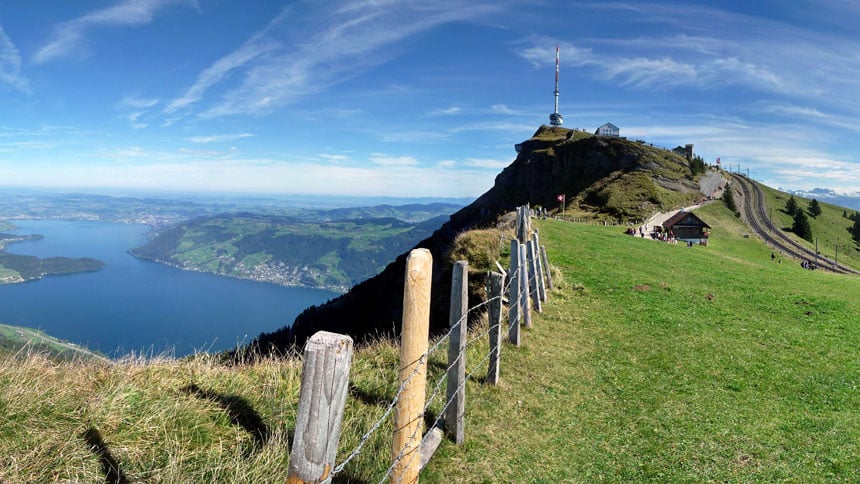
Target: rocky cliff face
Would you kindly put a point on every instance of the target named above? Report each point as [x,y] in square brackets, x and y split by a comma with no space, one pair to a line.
[589,170]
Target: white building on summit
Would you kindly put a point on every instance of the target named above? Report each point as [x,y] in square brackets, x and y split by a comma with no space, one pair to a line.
[608,129]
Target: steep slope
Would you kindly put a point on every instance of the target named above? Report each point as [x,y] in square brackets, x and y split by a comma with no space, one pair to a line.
[608,177]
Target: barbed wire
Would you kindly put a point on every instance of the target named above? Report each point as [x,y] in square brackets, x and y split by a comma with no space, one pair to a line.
[435,422]
[424,360]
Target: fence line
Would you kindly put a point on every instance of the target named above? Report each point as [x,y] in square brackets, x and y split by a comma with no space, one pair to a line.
[411,402]
[364,438]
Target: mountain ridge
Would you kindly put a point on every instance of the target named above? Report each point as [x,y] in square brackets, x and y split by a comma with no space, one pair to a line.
[593,173]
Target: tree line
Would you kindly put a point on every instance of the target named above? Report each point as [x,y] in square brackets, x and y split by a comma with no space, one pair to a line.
[800,225]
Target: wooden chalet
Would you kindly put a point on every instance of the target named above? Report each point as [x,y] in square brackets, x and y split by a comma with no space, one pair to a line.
[687,226]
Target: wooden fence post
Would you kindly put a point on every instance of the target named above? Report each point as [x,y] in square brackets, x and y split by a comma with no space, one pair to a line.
[534,275]
[456,384]
[325,381]
[495,285]
[409,413]
[525,303]
[514,302]
[523,223]
[520,222]
[546,267]
[540,267]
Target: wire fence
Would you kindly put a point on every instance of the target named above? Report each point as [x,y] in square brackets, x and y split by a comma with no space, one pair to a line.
[522,283]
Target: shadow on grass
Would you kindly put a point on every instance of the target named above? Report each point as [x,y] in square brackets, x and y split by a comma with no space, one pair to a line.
[345,478]
[113,474]
[368,398]
[238,409]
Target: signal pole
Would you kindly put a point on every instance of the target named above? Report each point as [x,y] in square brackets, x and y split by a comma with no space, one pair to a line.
[556,119]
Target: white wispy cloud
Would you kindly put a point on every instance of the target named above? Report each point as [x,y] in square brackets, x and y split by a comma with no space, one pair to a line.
[503,109]
[659,71]
[252,49]
[791,109]
[487,163]
[390,161]
[218,138]
[10,65]
[193,171]
[134,108]
[308,50]
[334,158]
[445,111]
[136,102]
[70,38]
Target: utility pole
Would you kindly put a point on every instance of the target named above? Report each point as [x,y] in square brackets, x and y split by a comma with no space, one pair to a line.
[816,251]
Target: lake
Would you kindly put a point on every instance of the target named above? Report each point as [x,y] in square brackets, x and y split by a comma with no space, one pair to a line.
[133,305]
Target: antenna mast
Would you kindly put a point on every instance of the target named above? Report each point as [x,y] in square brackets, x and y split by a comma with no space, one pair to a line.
[556,119]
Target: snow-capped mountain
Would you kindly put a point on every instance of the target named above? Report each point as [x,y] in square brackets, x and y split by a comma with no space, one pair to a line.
[842,199]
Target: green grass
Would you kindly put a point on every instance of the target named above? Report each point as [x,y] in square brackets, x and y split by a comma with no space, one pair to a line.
[650,362]
[17,339]
[8,274]
[672,364]
[830,228]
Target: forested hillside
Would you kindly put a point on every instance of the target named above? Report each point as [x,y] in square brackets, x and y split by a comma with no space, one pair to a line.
[287,250]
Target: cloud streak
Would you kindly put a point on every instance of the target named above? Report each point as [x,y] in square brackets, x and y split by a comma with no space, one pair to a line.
[663,72]
[305,52]
[10,65]
[70,38]
[220,138]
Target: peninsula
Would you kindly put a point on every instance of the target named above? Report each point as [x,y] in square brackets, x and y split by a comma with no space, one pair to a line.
[16,268]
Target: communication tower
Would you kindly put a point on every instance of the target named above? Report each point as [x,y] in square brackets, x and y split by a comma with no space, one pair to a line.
[556,119]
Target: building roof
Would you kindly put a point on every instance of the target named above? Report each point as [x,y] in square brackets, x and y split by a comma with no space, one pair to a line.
[684,219]
[609,125]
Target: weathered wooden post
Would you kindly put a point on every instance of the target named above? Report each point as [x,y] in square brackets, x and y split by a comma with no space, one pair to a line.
[514,301]
[520,222]
[540,267]
[456,385]
[527,214]
[325,381]
[523,224]
[546,267]
[409,413]
[525,303]
[534,276]
[495,285]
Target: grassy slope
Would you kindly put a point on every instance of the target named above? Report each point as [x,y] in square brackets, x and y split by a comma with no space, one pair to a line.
[16,338]
[726,367]
[831,228]
[236,245]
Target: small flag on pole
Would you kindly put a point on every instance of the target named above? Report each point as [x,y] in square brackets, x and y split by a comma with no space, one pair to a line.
[561,198]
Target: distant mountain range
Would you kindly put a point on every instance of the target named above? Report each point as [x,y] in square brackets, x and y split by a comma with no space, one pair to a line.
[842,199]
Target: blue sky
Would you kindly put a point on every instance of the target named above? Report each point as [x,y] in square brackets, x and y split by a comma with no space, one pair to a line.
[413,98]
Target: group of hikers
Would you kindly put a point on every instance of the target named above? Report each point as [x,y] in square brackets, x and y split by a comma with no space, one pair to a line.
[808,265]
[656,234]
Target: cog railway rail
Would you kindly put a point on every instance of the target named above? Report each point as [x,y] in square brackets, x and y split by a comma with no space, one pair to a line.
[755,213]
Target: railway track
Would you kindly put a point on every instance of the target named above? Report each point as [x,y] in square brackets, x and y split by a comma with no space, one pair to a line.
[755,215]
